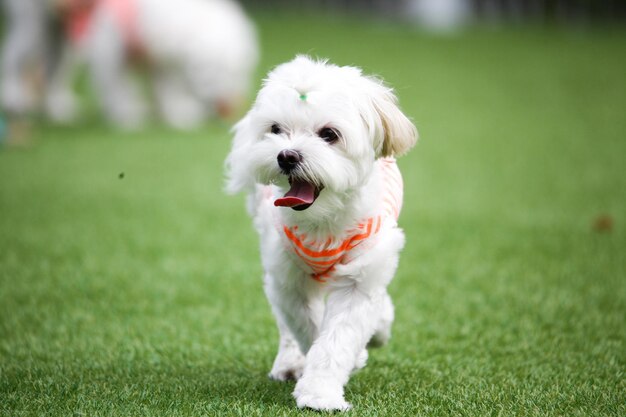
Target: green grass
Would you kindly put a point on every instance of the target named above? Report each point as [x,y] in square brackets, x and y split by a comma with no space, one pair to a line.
[142,295]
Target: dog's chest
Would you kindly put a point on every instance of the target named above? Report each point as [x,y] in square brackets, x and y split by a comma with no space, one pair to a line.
[320,256]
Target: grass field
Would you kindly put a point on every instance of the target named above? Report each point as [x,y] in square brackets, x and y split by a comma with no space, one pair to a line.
[130,284]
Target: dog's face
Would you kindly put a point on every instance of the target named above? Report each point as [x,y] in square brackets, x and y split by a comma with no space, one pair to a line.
[315,130]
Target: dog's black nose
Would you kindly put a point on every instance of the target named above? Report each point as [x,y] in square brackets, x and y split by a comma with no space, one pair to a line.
[288,160]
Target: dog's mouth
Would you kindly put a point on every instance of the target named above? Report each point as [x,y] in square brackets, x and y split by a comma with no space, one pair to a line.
[300,196]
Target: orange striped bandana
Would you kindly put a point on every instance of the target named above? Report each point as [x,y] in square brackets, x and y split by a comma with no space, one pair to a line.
[320,257]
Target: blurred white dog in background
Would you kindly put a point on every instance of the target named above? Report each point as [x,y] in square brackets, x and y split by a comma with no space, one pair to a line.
[199,56]
[316,156]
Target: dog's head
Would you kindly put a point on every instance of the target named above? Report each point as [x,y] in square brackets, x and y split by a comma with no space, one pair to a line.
[316,129]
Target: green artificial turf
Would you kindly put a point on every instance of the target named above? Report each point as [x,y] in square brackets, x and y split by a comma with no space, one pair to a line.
[130,284]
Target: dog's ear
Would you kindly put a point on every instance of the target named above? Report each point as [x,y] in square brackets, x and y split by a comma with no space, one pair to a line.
[396,134]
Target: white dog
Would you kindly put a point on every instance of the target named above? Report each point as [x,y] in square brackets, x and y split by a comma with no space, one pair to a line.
[316,156]
[200,53]
[200,56]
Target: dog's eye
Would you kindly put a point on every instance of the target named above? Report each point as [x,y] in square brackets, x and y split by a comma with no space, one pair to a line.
[329,135]
[276,130]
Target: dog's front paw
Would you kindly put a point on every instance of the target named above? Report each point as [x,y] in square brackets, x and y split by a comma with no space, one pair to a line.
[289,362]
[286,372]
[320,394]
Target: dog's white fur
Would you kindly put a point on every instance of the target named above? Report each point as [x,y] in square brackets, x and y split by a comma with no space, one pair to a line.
[324,327]
[200,52]
[200,57]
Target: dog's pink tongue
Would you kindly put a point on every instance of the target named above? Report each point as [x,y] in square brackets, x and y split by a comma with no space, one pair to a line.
[301,192]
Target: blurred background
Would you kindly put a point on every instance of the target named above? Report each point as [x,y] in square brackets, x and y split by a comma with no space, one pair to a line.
[130,283]
[454,12]
[196,62]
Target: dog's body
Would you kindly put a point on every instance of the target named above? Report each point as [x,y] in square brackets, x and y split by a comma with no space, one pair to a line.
[315,154]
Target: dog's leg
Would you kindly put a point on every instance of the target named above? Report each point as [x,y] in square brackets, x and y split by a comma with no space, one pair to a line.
[107,55]
[22,49]
[383,330]
[298,310]
[178,106]
[349,323]
[60,101]
[289,361]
